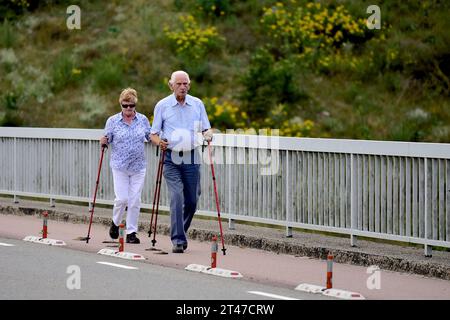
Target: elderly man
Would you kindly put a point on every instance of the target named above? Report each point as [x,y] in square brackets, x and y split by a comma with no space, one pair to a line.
[178,119]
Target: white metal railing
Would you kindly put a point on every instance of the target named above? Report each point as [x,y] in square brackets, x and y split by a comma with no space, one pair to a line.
[389,190]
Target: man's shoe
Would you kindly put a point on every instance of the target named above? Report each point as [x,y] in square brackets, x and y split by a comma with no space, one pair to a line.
[178,248]
[113,231]
[131,238]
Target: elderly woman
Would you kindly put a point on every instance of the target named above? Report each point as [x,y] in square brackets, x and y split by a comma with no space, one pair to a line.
[126,133]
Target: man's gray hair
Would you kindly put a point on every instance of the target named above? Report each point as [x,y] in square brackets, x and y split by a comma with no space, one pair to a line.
[175,73]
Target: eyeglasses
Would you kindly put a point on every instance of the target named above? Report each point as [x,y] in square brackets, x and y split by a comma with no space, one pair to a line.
[125,106]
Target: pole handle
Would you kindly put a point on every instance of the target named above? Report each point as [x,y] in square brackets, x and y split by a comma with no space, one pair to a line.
[157,147]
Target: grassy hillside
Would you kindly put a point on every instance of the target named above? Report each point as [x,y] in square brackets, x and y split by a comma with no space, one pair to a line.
[308,68]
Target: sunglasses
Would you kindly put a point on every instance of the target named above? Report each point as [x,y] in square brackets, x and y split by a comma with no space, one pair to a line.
[125,106]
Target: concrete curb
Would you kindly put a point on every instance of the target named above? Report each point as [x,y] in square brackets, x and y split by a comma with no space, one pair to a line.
[429,269]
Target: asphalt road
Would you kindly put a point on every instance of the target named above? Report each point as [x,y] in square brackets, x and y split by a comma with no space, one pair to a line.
[30,271]
[36,271]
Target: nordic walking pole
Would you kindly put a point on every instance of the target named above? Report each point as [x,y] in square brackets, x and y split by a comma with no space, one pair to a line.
[217,197]
[104,146]
[158,195]
[156,191]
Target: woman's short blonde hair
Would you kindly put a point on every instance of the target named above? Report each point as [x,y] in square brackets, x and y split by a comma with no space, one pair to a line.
[129,95]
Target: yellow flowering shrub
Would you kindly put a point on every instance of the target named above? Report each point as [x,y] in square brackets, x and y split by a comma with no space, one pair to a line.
[224,115]
[310,27]
[279,118]
[297,128]
[191,40]
[344,62]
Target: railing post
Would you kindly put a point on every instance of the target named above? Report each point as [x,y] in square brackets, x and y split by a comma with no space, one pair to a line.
[16,198]
[90,175]
[52,201]
[231,225]
[288,211]
[427,248]
[354,199]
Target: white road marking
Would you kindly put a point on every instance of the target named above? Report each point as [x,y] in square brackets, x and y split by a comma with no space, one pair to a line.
[6,244]
[117,265]
[271,295]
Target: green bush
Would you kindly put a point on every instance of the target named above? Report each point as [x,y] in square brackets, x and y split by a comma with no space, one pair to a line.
[281,119]
[268,83]
[200,73]
[10,9]
[8,60]
[214,8]
[10,116]
[65,72]
[225,115]
[408,131]
[107,73]
[94,108]
[7,36]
